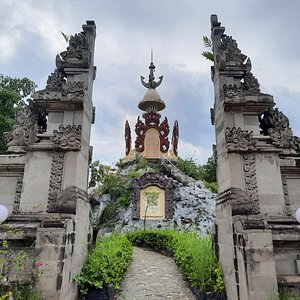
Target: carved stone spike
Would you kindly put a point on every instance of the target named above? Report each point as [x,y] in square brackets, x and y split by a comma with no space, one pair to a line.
[275,124]
[156,179]
[251,189]
[67,138]
[239,140]
[175,138]
[127,138]
[55,81]
[250,84]
[24,130]
[77,53]
[55,179]
[19,186]
[230,49]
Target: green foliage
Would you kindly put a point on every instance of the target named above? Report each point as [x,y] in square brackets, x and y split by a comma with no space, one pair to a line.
[193,255]
[105,264]
[190,168]
[206,172]
[208,44]
[151,200]
[25,268]
[12,92]
[211,186]
[109,182]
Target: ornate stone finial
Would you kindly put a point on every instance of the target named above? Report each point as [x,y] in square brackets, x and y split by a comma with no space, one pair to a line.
[152,84]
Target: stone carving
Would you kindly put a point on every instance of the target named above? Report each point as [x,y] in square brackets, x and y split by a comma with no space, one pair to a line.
[19,186]
[152,121]
[286,195]
[55,179]
[67,198]
[67,91]
[251,190]
[229,48]
[156,179]
[250,84]
[239,140]
[24,130]
[67,138]
[175,138]
[73,90]
[77,53]
[127,138]
[55,81]
[275,124]
[237,94]
[241,204]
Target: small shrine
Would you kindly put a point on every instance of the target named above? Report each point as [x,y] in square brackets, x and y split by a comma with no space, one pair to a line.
[152,141]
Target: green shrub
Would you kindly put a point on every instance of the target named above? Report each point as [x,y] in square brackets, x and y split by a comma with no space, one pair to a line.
[105,264]
[193,254]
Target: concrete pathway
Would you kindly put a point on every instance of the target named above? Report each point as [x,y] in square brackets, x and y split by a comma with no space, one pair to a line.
[153,276]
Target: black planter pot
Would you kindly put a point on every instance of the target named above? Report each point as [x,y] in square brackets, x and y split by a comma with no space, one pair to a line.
[199,295]
[105,293]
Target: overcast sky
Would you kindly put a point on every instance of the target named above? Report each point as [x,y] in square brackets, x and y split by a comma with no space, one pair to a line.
[266,31]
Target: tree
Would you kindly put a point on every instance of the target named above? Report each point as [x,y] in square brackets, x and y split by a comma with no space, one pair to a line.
[151,200]
[12,94]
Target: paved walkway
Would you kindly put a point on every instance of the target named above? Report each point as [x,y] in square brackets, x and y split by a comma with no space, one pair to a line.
[153,276]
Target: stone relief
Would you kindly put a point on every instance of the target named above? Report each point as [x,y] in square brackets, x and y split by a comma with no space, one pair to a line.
[77,53]
[250,179]
[127,138]
[67,138]
[73,91]
[19,186]
[275,124]
[155,179]
[286,196]
[55,179]
[68,91]
[239,140]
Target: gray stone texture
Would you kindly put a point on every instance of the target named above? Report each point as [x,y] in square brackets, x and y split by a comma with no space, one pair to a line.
[258,175]
[153,276]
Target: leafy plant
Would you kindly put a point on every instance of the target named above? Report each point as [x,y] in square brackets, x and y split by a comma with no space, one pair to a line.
[105,264]
[24,268]
[208,44]
[151,200]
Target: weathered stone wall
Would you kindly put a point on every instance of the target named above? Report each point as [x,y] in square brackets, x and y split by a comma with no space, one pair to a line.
[258,174]
[44,176]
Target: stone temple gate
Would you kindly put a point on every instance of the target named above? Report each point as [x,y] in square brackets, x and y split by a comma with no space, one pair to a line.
[258,174]
[44,176]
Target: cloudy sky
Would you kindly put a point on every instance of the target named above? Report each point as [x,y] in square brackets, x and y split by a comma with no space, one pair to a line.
[267,31]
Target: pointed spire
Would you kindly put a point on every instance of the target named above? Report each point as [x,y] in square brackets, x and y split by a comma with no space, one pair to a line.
[152,84]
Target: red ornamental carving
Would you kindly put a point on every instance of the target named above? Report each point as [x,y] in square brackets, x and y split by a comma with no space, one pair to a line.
[175,137]
[127,138]
[152,121]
